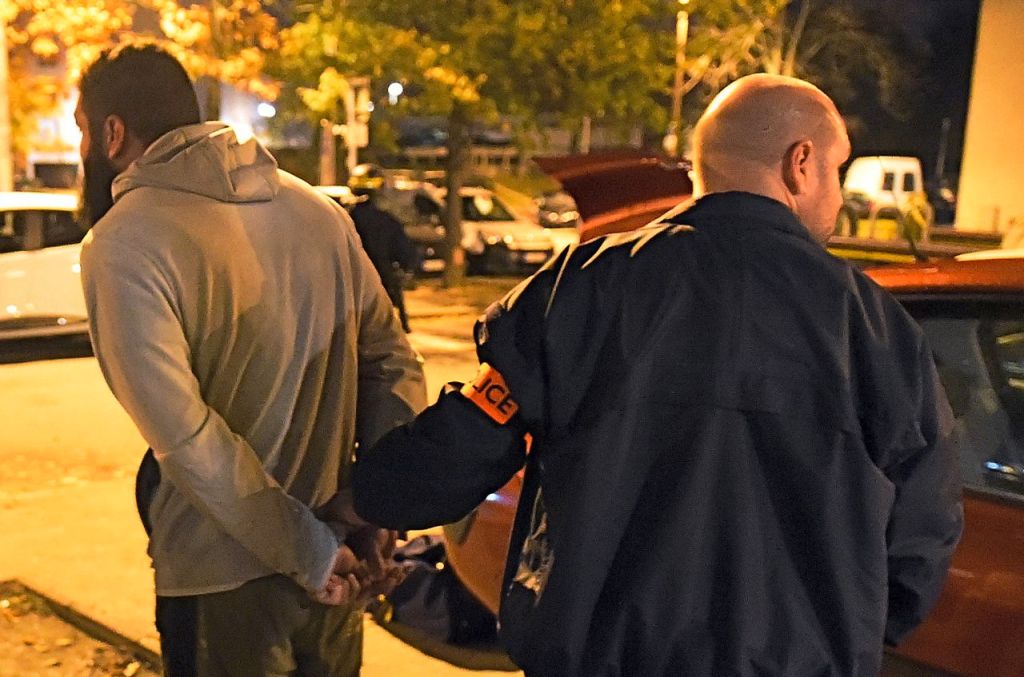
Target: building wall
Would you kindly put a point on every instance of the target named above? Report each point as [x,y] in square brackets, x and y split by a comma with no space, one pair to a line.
[991,195]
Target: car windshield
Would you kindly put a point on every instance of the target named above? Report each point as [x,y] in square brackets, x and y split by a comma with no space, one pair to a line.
[484,208]
[979,352]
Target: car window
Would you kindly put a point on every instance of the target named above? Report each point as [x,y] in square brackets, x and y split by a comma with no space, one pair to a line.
[909,183]
[888,181]
[979,353]
[425,207]
[484,208]
[60,228]
[18,230]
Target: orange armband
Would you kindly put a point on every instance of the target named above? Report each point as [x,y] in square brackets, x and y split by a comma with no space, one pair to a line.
[489,392]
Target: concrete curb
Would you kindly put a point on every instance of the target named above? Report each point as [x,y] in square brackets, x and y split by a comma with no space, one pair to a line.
[94,629]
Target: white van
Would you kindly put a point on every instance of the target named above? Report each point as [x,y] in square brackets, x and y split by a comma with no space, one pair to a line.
[887,181]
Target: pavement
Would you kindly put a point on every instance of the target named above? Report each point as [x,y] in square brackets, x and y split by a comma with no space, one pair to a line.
[67,465]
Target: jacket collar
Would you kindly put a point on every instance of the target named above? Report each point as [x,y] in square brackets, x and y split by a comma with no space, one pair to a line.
[743,208]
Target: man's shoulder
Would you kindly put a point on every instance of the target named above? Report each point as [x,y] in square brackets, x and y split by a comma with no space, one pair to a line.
[130,225]
[305,198]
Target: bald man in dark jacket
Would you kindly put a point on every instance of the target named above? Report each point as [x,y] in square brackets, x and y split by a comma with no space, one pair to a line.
[743,462]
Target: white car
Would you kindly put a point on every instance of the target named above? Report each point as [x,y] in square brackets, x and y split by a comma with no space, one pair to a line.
[495,240]
[40,289]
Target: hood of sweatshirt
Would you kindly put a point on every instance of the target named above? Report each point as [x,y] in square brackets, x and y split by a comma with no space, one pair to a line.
[206,159]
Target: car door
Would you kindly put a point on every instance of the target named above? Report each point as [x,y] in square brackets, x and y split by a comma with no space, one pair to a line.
[20,238]
[56,286]
[977,627]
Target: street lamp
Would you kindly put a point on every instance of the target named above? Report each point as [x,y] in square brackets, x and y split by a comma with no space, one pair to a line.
[671,142]
[395,90]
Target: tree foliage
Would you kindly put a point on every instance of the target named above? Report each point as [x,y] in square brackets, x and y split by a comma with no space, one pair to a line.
[50,41]
[48,45]
[829,43]
[222,40]
[473,61]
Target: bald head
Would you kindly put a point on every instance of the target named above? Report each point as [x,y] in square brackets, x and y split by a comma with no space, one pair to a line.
[774,136]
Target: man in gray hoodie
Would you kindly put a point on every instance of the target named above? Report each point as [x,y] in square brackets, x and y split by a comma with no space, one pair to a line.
[237,320]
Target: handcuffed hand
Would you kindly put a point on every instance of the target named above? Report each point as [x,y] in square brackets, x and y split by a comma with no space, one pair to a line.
[346,581]
[374,548]
[363,568]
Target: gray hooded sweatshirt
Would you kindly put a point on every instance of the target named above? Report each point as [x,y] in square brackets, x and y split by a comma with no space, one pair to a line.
[238,321]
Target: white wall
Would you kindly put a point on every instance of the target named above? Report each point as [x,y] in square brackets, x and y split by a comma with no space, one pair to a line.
[991,195]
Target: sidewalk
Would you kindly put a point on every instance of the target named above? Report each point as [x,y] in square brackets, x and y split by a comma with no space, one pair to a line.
[430,299]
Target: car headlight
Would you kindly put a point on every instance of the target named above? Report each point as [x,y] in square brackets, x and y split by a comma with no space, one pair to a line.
[491,240]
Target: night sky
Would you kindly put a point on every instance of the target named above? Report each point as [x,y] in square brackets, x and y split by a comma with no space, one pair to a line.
[939,37]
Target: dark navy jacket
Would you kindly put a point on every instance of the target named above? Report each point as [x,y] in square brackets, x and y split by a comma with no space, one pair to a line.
[386,244]
[742,461]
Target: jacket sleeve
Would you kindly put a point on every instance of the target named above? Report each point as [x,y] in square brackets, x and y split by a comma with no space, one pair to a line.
[438,468]
[142,351]
[927,516]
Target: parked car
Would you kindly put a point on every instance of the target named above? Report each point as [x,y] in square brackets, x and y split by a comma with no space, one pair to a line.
[495,241]
[884,180]
[40,289]
[885,198]
[557,212]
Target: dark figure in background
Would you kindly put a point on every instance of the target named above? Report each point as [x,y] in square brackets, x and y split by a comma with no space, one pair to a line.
[742,462]
[390,250]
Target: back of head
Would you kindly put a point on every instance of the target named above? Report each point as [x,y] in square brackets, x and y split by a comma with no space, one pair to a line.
[143,85]
[745,133]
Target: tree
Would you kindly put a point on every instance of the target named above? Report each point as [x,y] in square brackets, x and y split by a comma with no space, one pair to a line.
[50,41]
[221,41]
[48,45]
[828,43]
[471,61]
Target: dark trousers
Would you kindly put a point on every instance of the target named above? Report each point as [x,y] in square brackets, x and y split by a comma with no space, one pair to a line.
[176,621]
[176,617]
[397,295]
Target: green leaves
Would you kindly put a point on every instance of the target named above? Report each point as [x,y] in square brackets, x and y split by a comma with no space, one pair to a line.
[527,58]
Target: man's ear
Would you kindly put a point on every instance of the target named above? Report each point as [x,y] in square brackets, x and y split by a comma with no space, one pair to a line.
[115,137]
[796,166]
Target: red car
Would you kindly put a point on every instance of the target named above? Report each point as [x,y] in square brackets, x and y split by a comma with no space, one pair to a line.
[973,315]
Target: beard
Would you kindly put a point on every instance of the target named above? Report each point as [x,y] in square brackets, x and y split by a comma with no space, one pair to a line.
[97,178]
